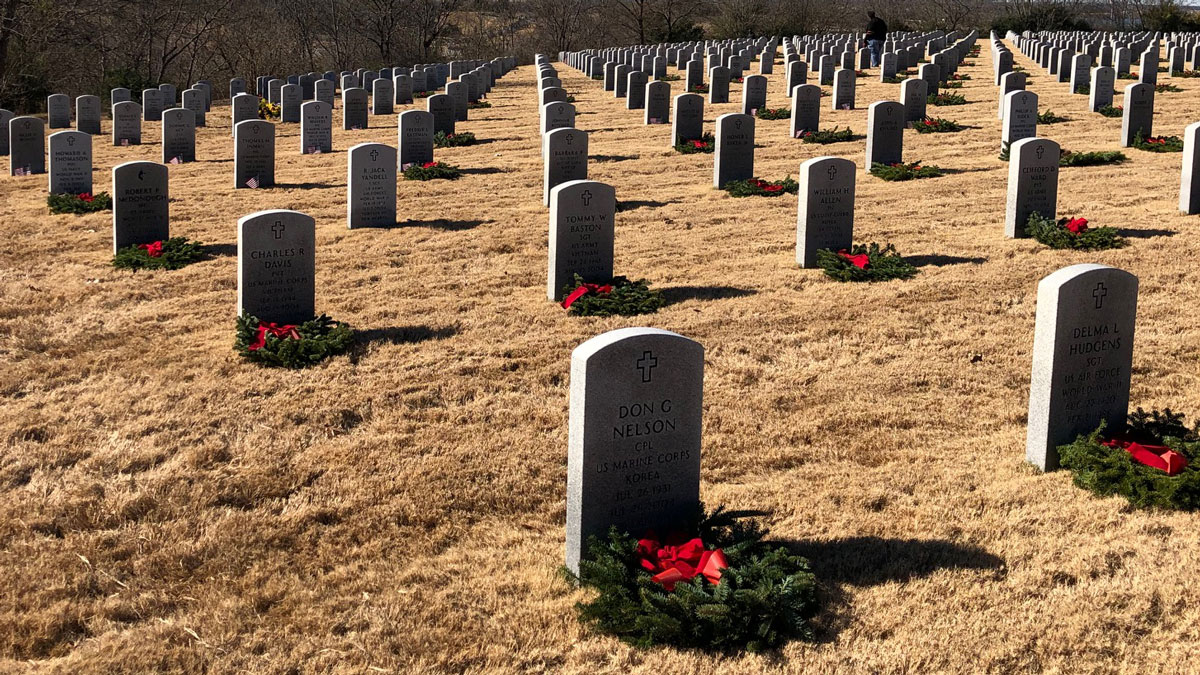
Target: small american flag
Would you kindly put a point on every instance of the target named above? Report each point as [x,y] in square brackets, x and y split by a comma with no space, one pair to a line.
[252,183]
[356,128]
[656,120]
[314,150]
[406,167]
[799,134]
[754,111]
[21,171]
[124,142]
[176,160]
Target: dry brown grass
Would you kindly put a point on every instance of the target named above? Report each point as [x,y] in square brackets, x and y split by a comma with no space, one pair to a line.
[167,507]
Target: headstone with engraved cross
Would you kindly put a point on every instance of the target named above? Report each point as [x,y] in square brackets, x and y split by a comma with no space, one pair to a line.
[70,163]
[633,459]
[316,128]
[885,133]
[415,138]
[825,217]
[254,154]
[1137,118]
[581,235]
[276,267]
[371,181]
[26,146]
[179,135]
[565,158]
[141,204]
[733,156]
[1082,357]
[1032,183]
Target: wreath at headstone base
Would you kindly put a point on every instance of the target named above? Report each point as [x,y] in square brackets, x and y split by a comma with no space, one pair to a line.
[1073,233]
[291,346]
[715,586]
[1109,465]
[81,203]
[618,297]
[167,254]
[870,262]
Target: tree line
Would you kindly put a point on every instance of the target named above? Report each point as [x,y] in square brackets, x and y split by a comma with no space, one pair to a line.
[91,46]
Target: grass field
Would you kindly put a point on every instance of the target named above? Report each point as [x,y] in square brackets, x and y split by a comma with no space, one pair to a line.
[167,507]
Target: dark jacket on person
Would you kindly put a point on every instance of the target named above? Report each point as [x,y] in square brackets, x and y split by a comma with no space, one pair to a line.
[876,29]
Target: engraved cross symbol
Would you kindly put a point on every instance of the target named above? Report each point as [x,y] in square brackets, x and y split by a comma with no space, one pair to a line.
[586,197]
[1099,293]
[832,172]
[570,138]
[647,364]
[278,228]
[70,141]
[1041,150]
[374,155]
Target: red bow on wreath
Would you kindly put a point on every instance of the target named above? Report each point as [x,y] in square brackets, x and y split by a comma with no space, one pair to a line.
[1155,456]
[1076,225]
[87,197]
[584,290]
[273,329]
[860,261]
[673,563]
[153,250]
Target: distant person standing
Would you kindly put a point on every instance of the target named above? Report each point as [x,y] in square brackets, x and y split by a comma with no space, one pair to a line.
[876,34]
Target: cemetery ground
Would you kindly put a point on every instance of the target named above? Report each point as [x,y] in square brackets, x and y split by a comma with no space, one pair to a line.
[168,506]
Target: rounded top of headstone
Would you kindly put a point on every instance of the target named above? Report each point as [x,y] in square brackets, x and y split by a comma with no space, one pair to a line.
[270,215]
[606,340]
[1035,140]
[140,168]
[1063,276]
[254,126]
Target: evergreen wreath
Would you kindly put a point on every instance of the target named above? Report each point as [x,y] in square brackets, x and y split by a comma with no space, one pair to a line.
[1108,467]
[826,136]
[902,171]
[1158,143]
[946,99]
[1126,76]
[895,79]
[1188,73]
[860,73]
[444,140]
[959,77]
[431,171]
[698,89]
[1112,110]
[290,346]
[1072,233]
[168,254]
[952,85]
[774,113]
[704,144]
[478,105]
[618,297]
[756,187]
[865,263]
[763,595]
[669,78]
[1083,88]
[1097,158]
[1164,88]
[936,125]
[1049,117]
[81,203]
